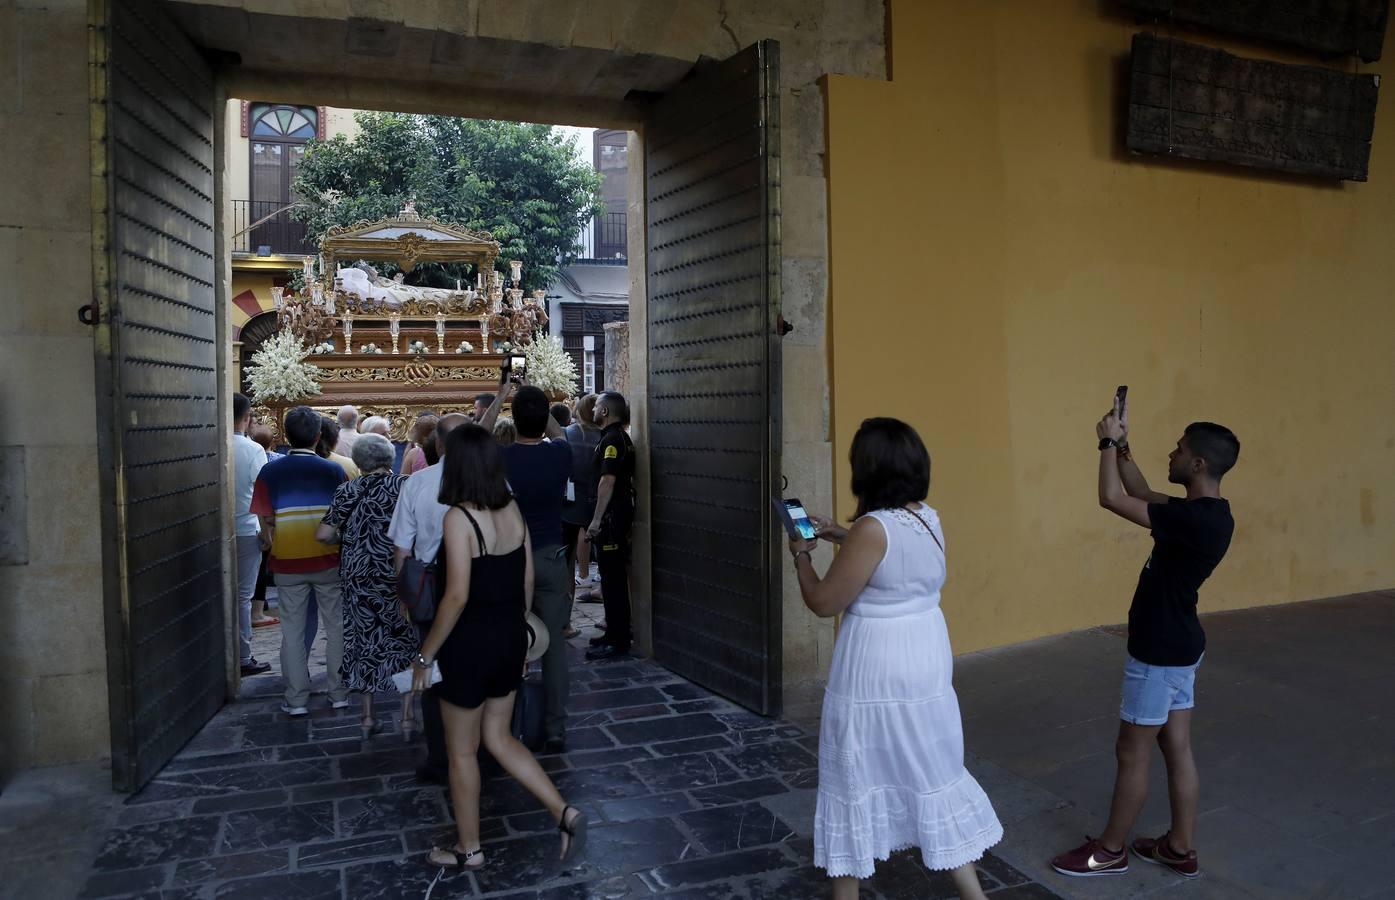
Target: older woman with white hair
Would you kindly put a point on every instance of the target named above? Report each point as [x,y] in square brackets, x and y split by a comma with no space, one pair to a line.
[376,425]
[378,640]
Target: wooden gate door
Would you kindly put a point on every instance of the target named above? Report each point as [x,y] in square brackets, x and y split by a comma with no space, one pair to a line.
[713,266]
[157,368]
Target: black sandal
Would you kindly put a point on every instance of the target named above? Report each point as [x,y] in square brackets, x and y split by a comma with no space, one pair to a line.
[575,833]
[462,860]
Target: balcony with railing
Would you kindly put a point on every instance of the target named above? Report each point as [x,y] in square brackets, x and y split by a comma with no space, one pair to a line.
[264,227]
[604,241]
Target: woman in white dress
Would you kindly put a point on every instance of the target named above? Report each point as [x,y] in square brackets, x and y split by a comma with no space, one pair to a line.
[891,744]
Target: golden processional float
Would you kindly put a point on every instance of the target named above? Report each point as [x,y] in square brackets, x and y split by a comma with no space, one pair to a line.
[392,349]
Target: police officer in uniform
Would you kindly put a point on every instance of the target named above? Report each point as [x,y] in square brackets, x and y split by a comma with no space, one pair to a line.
[609,531]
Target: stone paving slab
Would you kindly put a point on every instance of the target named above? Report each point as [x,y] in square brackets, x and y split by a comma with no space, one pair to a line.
[1291,736]
[690,796]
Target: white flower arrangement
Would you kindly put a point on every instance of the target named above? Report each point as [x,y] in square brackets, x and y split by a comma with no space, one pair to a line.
[326,347]
[549,366]
[369,348]
[278,371]
[465,347]
[418,347]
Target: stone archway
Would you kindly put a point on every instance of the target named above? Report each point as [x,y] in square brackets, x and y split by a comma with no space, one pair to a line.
[258,330]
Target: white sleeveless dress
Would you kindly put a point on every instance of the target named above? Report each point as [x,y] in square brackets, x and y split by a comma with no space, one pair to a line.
[891,744]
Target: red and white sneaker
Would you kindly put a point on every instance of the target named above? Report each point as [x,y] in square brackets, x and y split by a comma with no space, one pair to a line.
[1091,858]
[1159,852]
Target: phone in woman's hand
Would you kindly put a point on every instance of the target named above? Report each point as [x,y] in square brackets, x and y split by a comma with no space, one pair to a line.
[828,530]
[796,520]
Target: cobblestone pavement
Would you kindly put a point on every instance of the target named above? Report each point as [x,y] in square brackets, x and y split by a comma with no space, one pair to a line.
[690,796]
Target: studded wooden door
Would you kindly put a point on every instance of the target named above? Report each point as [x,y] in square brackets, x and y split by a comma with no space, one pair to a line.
[159,438]
[713,271]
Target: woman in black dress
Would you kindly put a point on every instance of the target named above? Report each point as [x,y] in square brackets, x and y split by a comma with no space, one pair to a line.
[479,639]
[378,640]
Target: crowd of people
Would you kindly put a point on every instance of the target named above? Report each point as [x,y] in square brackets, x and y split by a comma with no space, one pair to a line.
[506,519]
[496,511]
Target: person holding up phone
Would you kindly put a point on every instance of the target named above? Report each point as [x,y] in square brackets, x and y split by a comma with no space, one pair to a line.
[891,743]
[1166,641]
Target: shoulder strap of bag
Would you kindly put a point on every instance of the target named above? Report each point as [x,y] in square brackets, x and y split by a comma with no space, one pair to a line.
[353,511]
[928,528]
[479,535]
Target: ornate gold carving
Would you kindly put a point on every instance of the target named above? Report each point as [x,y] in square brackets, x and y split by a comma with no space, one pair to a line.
[468,373]
[306,320]
[362,373]
[418,373]
[517,325]
[400,373]
[409,249]
[406,219]
[458,306]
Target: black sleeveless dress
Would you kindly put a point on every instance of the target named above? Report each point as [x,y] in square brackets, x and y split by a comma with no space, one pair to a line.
[483,656]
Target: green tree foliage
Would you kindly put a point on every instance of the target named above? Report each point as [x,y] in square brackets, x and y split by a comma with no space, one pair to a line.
[522,183]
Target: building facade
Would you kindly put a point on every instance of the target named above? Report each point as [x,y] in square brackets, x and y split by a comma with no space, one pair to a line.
[594,290]
[963,243]
[265,142]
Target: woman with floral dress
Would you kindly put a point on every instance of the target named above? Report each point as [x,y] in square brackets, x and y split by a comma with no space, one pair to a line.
[378,639]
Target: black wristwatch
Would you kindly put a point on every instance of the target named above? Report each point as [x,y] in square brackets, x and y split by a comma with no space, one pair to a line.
[1106,443]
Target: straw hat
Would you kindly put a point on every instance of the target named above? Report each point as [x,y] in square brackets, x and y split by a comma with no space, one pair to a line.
[538,637]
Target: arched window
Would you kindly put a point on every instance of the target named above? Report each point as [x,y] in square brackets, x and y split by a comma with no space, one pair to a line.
[278,122]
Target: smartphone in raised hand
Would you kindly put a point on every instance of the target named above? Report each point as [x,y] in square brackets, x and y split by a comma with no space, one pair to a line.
[1121,403]
[795,519]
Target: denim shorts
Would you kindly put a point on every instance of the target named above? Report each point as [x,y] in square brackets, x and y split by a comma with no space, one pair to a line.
[1151,692]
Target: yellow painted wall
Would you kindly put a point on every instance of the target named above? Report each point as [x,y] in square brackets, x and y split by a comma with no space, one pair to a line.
[999,263]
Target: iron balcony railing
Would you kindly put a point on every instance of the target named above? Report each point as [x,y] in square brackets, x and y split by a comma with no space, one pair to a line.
[604,239]
[279,234]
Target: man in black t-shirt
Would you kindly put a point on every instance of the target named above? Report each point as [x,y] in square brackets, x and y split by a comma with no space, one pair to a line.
[609,531]
[539,463]
[1166,642]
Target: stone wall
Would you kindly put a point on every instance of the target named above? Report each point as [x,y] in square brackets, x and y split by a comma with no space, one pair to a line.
[53,689]
[1050,265]
[617,357]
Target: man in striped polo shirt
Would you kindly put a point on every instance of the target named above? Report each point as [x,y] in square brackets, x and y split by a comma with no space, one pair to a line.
[291,496]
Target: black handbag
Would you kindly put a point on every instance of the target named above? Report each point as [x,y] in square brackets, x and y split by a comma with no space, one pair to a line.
[529,724]
[416,588]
